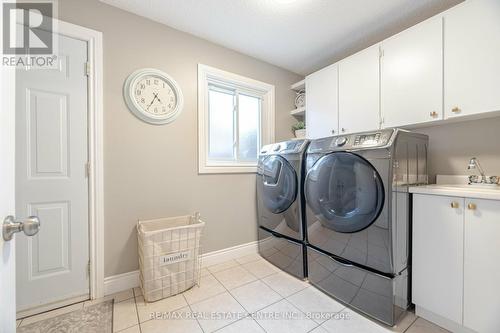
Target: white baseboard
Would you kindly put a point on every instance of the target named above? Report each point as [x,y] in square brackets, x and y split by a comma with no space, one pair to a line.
[120,282]
[216,257]
[441,321]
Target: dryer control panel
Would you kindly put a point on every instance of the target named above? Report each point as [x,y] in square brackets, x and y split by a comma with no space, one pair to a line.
[356,141]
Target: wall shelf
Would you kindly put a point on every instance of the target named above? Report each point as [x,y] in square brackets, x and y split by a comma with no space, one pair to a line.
[301,85]
[300,112]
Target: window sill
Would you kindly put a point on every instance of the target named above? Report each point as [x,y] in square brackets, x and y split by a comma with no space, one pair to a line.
[204,169]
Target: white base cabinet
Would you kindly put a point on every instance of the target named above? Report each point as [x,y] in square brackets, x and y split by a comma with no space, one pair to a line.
[456,261]
[437,268]
[482,266]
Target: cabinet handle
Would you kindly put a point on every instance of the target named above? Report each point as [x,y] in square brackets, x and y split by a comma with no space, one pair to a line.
[472,206]
[434,114]
[454,204]
[456,109]
[343,129]
[333,131]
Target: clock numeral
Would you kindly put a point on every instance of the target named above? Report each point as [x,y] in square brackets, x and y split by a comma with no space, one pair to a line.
[138,92]
[163,84]
[143,86]
[155,82]
[148,82]
[156,110]
[143,100]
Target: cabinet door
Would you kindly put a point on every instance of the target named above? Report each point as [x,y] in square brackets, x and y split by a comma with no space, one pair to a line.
[437,270]
[482,266]
[322,102]
[412,75]
[359,89]
[472,58]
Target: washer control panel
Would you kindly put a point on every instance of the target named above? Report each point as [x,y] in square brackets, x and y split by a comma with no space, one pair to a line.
[341,141]
[287,147]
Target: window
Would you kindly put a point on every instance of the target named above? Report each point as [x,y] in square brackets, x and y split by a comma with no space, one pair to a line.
[235,118]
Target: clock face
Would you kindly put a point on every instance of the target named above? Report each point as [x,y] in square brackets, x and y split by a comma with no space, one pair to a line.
[153,96]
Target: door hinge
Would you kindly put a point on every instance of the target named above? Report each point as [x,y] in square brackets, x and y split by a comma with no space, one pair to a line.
[88,269]
[381,53]
[87,68]
[87,169]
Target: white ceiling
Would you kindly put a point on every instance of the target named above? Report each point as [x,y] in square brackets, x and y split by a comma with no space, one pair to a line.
[299,35]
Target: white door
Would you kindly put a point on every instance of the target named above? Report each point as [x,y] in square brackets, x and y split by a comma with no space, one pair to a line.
[322,103]
[7,205]
[51,179]
[437,271]
[412,75]
[471,58]
[482,266]
[359,89]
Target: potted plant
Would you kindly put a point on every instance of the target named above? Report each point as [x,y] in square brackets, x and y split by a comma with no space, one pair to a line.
[299,129]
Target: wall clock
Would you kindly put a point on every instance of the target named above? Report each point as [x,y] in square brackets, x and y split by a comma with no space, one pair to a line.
[153,96]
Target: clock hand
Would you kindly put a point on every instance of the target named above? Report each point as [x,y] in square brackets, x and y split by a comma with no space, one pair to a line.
[158,98]
[151,102]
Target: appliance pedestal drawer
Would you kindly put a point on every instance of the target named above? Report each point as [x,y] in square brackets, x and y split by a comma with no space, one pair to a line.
[377,296]
[282,252]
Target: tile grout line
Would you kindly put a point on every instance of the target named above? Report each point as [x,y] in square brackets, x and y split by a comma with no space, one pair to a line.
[248,313]
[191,310]
[137,310]
[412,323]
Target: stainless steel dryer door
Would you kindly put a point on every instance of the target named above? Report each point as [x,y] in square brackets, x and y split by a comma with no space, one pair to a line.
[345,192]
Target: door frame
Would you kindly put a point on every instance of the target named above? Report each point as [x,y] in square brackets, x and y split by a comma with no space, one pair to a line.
[95,108]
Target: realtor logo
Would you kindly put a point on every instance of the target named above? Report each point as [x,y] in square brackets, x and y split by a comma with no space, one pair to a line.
[27,28]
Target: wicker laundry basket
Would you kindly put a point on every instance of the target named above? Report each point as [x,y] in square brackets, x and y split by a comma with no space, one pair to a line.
[169,255]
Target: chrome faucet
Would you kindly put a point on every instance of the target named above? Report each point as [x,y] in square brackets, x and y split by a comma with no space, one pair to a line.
[474,164]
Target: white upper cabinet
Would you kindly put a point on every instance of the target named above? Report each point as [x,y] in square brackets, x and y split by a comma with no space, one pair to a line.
[482,266]
[322,102]
[359,85]
[412,75]
[472,58]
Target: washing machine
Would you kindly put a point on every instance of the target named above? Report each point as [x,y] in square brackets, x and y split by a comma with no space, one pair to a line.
[280,206]
[358,217]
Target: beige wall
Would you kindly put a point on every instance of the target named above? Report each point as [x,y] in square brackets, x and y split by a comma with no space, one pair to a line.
[151,171]
[452,145]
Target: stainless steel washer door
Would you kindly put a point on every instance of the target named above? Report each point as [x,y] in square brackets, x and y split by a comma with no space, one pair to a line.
[345,192]
[278,184]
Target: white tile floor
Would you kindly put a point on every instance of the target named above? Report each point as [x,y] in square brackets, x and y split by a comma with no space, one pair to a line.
[227,297]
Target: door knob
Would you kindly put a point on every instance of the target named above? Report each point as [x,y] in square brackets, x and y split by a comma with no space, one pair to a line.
[454,204]
[456,109]
[434,114]
[29,226]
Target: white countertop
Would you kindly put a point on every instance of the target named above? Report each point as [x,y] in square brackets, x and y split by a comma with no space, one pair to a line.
[491,192]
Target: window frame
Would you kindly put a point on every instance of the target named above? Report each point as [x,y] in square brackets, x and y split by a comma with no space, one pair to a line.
[212,76]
